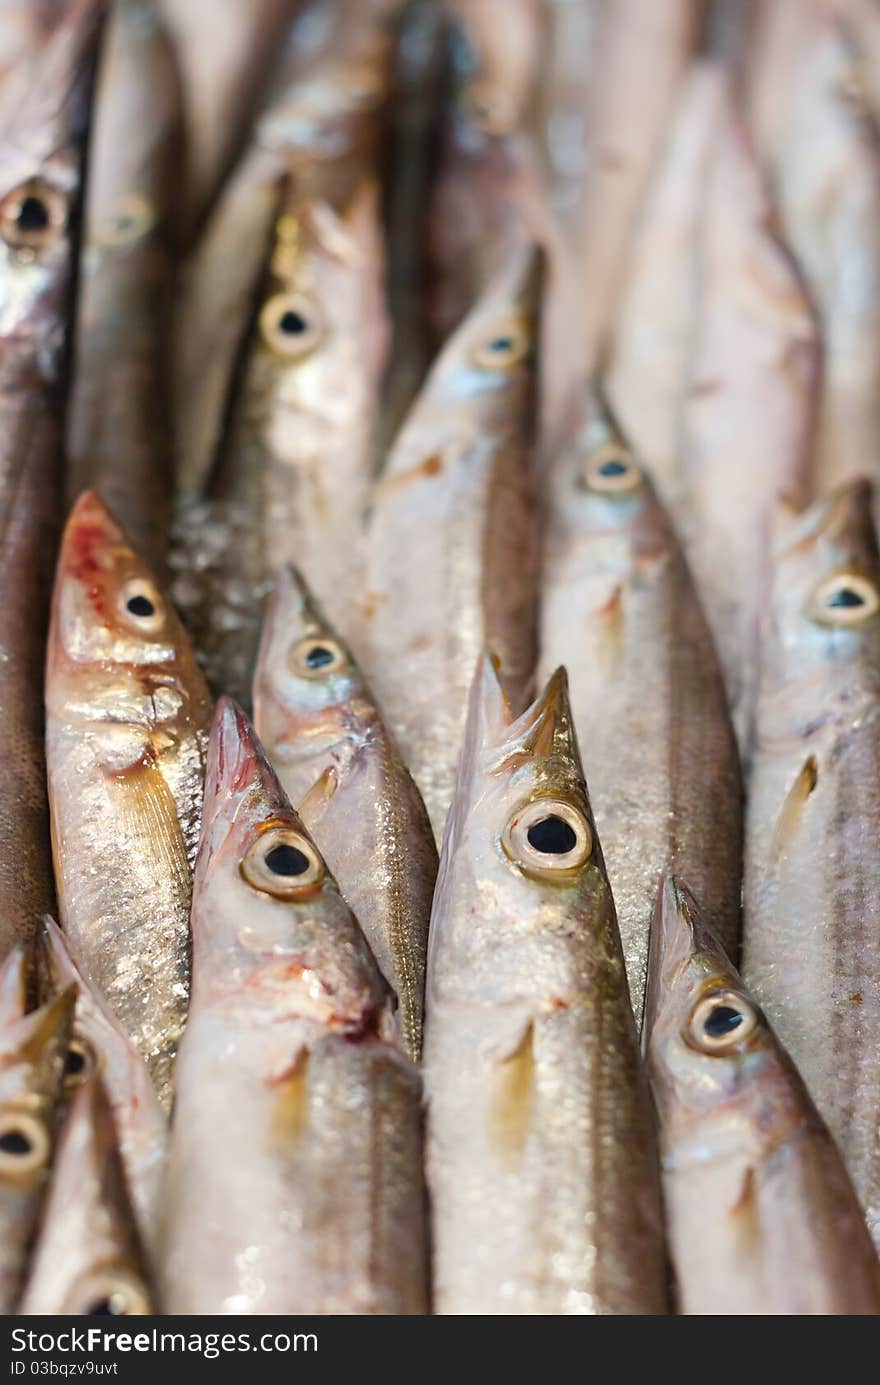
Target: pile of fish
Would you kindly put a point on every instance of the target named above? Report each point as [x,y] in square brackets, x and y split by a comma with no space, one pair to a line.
[411,414]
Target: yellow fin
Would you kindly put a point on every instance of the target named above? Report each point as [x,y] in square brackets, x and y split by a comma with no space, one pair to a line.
[792,809]
[511,1107]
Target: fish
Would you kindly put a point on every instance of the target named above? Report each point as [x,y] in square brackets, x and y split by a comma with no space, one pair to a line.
[828,178]
[99,1046]
[321,133]
[415,122]
[638,57]
[507,44]
[541,1162]
[491,197]
[811,898]
[452,518]
[217,288]
[24,25]
[44,108]
[618,603]
[860,25]
[223,52]
[88,1259]
[118,435]
[762,1216]
[483,205]
[749,410]
[290,1065]
[779,35]
[293,474]
[127,716]
[32,1049]
[650,351]
[325,738]
[326,114]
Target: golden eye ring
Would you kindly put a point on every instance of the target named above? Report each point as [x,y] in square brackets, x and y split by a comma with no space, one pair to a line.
[134,218]
[79,1063]
[844,599]
[24,1145]
[612,470]
[32,216]
[486,107]
[283,863]
[548,838]
[316,657]
[290,325]
[141,606]
[721,1022]
[111,1293]
[508,345]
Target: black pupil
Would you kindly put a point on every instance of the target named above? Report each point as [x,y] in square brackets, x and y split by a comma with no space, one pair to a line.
[14,1142]
[553,836]
[319,656]
[723,1020]
[845,596]
[103,1309]
[501,344]
[141,606]
[32,215]
[292,323]
[613,468]
[75,1062]
[287,860]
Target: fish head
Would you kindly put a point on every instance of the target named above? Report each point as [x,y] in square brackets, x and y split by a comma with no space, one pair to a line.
[59,968]
[322,319]
[481,387]
[608,497]
[307,684]
[117,650]
[520,836]
[333,82]
[32,1051]
[109,1276]
[270,928]
[706,1040]
[824,601]
[43,126]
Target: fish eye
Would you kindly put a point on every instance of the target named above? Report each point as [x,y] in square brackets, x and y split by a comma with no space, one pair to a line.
[283,863]
[141,606]
[504,348]
[846,598]
[290,325]
[363,87]
[485,105]
[721,1021]
[133,218]
[31,216]
[24,1145]
[315,657]
[110,1294]
[548,838]
[611,470]
[79,1063]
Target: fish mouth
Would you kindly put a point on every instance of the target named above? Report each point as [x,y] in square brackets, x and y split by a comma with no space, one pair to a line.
[545,729]
[90,534]
[232,760]
[670,944]
[291,608]
[46,1028]
[237,768]
[13,987]
[840,520]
